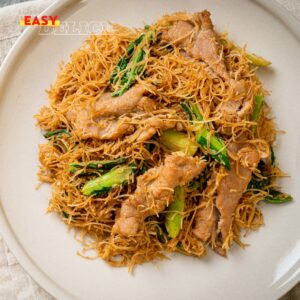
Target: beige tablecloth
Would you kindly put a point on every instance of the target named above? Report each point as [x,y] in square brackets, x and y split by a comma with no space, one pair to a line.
[15,283]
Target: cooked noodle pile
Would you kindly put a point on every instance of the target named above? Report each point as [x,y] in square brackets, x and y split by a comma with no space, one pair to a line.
[169,78]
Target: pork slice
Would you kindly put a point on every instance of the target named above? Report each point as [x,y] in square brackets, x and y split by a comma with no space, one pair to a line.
[217,214]
[179,33]
[206,46]
[241,106]
[205,222]
[132,100]
[152,125]
[100,120]
[155,190]
[234,184]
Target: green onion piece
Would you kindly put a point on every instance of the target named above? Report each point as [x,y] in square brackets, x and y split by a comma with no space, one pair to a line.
[178,141]
[56,132]
[276,197]
[174,216]
[108,181]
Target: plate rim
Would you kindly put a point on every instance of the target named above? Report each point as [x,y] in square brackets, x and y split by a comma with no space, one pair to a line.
[273,7]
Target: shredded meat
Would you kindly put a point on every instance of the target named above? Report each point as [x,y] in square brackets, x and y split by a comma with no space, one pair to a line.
[100,120]
[229,191]
[154,191]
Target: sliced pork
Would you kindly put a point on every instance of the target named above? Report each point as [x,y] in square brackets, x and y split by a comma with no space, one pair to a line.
[155,191]
[201,45]
[100,120]
[218,214]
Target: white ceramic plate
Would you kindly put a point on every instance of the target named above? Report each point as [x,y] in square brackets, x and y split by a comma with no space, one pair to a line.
[265,270]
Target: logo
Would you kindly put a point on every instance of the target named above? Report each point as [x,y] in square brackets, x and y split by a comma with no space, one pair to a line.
[49,21]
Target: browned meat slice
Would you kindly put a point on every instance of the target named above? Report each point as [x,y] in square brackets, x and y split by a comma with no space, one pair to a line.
[240,106]
[152,125]
[203,45]
[218,215]
[132,100]
[179,33]
[99,120]
[85,126]
[206,46]
[154,191]
[205,221]
[234,183]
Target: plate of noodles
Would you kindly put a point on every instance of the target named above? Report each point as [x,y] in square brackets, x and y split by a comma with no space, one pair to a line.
[162,140]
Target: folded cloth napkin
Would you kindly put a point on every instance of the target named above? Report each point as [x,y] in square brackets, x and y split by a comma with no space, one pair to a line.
[15,283]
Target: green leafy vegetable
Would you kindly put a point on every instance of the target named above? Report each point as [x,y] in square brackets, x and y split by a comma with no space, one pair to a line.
[49,134]
[161,234]
[264,184]
[277,197]
[213,144]
[273,158]
[99,165]
[259,101]
[66,215]
[174,214]
[257,60]
[130,65]
[178,141]
[104,183]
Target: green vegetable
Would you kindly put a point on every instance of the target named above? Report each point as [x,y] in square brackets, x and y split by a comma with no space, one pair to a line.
[130,65]
[66,215]
[100,165]
[223,42]
[259,101]
[174,214]
[213,144]
[130,76]
[273,158]
[56,132]
[257,60]
[276,197]
[178,141]
[161,234]
[263,184]
[123,62]
[107,181]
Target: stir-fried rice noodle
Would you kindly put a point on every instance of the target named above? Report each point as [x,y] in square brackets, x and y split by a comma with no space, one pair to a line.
[170,77]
